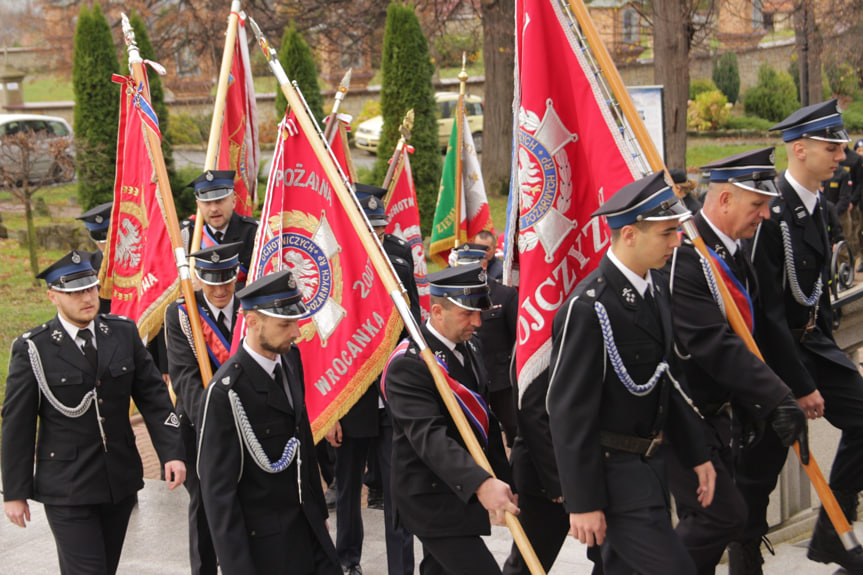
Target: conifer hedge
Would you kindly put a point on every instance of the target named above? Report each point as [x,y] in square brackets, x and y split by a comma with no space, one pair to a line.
[407,73]
[97,107]
[299,64]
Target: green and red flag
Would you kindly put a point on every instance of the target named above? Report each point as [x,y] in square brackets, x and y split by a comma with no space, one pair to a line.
[474,214]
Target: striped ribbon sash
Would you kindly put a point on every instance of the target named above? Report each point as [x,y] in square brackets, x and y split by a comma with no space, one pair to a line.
[471,403]
[218,347]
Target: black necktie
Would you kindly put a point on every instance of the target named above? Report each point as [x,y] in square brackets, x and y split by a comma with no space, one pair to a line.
[222,323]
[462,349]
[818,215]
[218,236]
[651,303]
[88,348]
[280,379]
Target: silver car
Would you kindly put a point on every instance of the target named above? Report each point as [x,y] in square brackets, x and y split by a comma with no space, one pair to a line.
[45,131]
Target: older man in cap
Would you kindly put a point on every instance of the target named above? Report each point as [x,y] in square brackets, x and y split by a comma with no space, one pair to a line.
[440,493]
[614,396]
[97,221]
[365,432]
[724,376]
[794,328]
[214,194]
[256,454]
[217,308]
[72,378]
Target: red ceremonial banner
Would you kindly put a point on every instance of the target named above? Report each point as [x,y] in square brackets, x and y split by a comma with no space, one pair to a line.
[341,151]
[569,160]
[352,325]
[238,146]
[140,276]
[404,216]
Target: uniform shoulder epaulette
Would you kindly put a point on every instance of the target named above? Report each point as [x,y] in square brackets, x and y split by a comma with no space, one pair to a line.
[591,290]
[399,261]
[32,332]
[249,220]
[228,376]
[395,239]
[777,206]
[115,317]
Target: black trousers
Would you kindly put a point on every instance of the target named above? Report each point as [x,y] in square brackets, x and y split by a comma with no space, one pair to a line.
[90,537]
[643,541]
[706,531]
[400,543]
[759,466]
[202,553]
[350,462]
[466,555]
[546,525]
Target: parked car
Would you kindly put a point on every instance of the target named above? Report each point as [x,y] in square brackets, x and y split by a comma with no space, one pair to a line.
[368,134]
[45,129]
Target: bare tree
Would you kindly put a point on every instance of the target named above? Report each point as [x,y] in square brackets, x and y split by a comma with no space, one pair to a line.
[28,162]
[498,17]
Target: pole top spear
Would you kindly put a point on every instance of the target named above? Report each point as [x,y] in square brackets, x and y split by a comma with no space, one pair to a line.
[129,38]
[407,125]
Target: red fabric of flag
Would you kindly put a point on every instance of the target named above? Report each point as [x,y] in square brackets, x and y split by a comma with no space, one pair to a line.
[238,146]
[352,324]
[140,273]
[568,160]
[404,216]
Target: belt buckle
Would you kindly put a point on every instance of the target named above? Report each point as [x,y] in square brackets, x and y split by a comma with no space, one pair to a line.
[653,448]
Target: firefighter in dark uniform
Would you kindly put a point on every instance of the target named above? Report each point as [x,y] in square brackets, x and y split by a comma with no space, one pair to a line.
[256,454]
[97,221]
[214,193]
[365,432]
[794,328]
[440,493]
[722,373]
[613,392]
[216,269]
[72,378]
[497,334]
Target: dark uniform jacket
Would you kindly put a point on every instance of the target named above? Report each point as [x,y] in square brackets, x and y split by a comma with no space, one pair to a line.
[498,333]
[182,362]
[72,466]
[257,519]
[434,476]
[719,367]
[780,319]
[585,395]
[534,469]
[240,229]
[363,418]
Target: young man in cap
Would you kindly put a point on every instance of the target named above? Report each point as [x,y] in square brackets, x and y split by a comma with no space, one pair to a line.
[613,394]
[256,455]
[794,329]
[494,267]
[723,375]
[72,378]
[216,269]
[214,193]
[440,493]
[365,432]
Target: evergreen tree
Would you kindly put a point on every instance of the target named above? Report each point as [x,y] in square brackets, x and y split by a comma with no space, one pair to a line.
[157,97]
[299,64]
[97,107]
[407,83]
[726,76]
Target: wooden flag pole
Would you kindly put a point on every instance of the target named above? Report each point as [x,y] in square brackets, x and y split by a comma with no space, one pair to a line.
[391,283]
[395,160]
[459,147]
[136,66]
[735,320]
[218,113]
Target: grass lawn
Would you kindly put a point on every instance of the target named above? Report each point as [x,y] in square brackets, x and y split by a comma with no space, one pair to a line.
[45,88]
[702,151]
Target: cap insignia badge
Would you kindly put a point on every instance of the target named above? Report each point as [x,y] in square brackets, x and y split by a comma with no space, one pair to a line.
[99,219]
[76,258]
[210,177]
[482,276]
[373,204]
[215,257]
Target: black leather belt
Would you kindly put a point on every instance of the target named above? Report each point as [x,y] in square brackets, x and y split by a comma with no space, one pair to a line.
[646,446]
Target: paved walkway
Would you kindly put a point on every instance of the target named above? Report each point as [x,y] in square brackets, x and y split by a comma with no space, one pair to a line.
[156,543]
